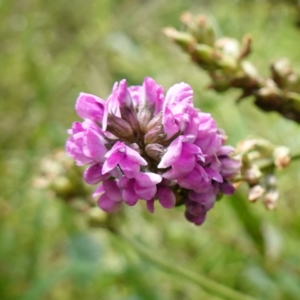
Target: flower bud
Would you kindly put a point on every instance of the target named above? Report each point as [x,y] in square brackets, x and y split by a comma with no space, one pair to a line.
[144,115]
[155,135]
[252,175]
[183,39]
[270,199]
[119,127]
[255,193]
[155,151]
[228,46]
[205,55]
[157,120]
[199,27]
[282,157]
[129,115]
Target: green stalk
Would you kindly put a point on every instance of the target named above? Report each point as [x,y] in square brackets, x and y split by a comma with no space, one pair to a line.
[206,284]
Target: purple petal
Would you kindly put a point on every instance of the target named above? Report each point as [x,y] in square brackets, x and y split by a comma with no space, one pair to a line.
[227,188]
[74,150]
[173,174]
[225,150]
[147,179]
[166,197]
[195,180]
[94,146]
[112,161]
[128,193]
[213,174]
[111,106]
[129,168]
[109,205]
[145,193]
[112,190]
[172,154]
[98,191]
[169,122]
[150,205]
[185,163]
[198,219]
[93,174]
[123,94]
[207,199]
[90,107]
[208,141]
[134,156]
[206,122]
[76,127]
[136,92]
[180,92]
[154,94]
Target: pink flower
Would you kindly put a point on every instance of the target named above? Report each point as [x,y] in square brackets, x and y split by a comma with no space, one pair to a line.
[144,146]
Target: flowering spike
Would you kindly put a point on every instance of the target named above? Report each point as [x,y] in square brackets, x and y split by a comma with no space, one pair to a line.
[142,145]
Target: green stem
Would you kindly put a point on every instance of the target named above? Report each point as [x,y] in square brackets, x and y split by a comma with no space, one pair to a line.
[206,284]
[295,156]
[270,163]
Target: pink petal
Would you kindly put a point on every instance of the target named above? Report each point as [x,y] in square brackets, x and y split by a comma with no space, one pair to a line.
[128,193]
[150,205]
[169,122]
[135,156]
[214,174]
[111,106]
[98,191]
[207,199]
[108,205]
[111,162]
[76,127]
[145,193]
[227,188]
[90,107]
[185,163]
[129,168]
[112,190]
[93,174]
[195,180]
[94,146]
[154,94]
[74,150]
[172,154]
[147,179]
[166,197]
[123,95]
[180,92]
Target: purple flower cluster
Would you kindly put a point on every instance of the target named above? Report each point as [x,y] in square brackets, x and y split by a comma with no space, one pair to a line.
[143,145]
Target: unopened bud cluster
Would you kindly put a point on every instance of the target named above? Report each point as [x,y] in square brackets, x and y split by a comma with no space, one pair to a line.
[260,160]
[224,60]
[143,145]
[58,174]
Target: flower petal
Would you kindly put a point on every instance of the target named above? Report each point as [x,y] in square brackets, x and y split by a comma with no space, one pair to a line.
[166,197]
[172,154]
[111,162]
[93,174]
[148,179]
[145,193]
[94,146]
[90,107]
[112,190]
[178,93]
[150,205]
[129,168]
[108,205]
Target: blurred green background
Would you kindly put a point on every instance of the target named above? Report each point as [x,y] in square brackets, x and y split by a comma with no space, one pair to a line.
[51,51]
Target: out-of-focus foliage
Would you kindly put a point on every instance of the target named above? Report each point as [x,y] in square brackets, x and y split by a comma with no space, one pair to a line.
[52,50]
